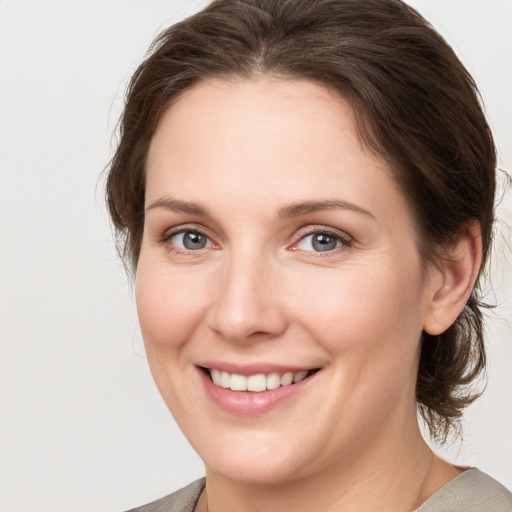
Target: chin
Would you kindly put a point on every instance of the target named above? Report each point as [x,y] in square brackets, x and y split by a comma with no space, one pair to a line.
[265,473]
[254,461]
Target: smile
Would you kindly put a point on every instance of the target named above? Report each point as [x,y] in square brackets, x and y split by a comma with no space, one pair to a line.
[250,390]
[258,382]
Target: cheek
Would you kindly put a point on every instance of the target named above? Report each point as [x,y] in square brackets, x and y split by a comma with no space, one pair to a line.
[168,308]
[169,311]
[375,318]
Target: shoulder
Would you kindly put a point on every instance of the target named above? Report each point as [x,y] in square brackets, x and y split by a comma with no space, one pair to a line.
[472,491]
[183,500]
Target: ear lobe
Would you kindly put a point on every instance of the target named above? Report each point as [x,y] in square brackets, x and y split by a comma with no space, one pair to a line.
[459,269]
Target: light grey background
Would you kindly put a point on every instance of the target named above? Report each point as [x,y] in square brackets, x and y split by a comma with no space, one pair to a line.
[82,426]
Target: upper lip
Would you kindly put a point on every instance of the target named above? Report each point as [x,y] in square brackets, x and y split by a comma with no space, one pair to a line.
[253,368]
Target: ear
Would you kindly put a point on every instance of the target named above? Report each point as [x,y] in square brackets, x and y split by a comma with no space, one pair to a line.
[455,279]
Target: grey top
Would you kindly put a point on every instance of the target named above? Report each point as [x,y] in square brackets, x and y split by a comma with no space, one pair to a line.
[472,491]
[184,500]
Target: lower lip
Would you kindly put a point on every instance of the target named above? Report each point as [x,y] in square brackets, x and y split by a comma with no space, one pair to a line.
[249,403]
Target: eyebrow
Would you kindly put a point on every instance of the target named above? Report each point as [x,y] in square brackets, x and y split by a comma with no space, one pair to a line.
[294,209]
[305,207]
[179,206]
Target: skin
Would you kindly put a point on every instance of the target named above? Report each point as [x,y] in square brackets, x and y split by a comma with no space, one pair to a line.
[240,152]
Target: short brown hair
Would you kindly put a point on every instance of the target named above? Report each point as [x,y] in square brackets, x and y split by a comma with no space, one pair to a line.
[415,105]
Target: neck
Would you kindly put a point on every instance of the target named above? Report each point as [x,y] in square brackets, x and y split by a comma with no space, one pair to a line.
[385,477]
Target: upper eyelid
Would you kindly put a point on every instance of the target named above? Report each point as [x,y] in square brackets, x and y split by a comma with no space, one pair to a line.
[299,235]
[345,239]
[170,232]
[312,230]
[165,237]
[165,240]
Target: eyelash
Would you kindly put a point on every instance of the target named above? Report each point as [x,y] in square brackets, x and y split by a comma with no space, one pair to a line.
[346,241]
[168,235]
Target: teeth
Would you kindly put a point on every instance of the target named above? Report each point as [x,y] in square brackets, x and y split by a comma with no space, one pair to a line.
[287,379]
[297,377]
[273,381]
[238,382]
[256,383]
[225,379]
[215,375]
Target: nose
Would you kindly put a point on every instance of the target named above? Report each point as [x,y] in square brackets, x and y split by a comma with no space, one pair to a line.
[247,303]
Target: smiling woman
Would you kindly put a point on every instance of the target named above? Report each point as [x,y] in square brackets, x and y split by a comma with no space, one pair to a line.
[305,193]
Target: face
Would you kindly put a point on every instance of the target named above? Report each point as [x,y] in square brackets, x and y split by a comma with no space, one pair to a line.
[279,287]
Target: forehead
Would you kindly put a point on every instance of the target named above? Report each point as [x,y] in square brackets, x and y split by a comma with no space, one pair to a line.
[228,112]
[264,138]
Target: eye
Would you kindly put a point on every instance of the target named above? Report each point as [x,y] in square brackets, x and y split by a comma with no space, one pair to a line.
[189,240]
[321,241]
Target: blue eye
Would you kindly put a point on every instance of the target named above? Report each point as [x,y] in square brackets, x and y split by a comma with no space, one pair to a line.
[320,242]
[189,240]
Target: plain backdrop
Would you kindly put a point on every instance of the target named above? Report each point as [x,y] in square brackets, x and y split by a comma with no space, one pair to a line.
[82,427]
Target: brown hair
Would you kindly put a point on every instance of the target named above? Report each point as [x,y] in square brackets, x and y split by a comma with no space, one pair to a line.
[415,105]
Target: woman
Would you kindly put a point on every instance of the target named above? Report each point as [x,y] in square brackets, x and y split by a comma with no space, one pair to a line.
[305,193]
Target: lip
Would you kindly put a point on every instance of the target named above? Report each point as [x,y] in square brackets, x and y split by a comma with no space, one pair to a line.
[249,403]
